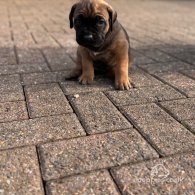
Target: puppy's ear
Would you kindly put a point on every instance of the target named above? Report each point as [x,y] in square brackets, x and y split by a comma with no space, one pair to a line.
[71,15]
[112,16]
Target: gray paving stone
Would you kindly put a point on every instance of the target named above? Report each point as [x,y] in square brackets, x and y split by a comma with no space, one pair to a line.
[173,175]
[93,152]
[99,84]
[19,172]
[189,73]
[157,55]
[160,129]
[181,109]
[7,56]
[10,111]
[45,100]
[190,124]
[164,67]
[44,77]
[58,59]
[98,182]
[10,88]
[39,130]
[179,81]
[98,114]
[23,68]
[144,95]
[141,79]
[139,58]
[30,55]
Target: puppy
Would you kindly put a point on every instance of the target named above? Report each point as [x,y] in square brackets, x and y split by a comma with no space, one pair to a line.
[101,38]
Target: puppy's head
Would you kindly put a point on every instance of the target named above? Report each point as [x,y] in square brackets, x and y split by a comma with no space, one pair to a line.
[92,20]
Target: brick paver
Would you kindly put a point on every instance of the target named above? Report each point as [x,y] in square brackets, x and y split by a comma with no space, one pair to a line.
[19,172]
[174,175]
[93,183]
[159,128]
[93,152]
[98,114]
[94,139]
[45,100]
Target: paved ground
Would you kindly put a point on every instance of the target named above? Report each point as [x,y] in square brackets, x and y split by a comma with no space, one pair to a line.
[59,137]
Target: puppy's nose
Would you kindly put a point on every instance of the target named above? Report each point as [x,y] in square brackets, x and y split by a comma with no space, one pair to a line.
[88,37]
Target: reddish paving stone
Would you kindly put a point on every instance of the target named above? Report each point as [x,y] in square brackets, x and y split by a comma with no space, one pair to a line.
[45,100]
[44,77]
[10,111]
[19,172]
[160,129]
[144,95]
[173,175]
[98,114]
[179,81]
[10,88]
[98,182]
[39,130]
[93,152]
[181,109]
[190,124]
[164,67]
[23,68]
[73,87]
[142,79]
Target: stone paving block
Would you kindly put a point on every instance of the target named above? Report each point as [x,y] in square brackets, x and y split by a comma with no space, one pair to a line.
[10,111]
[138,58]
[10,88]
[98,114]
[186,56]
[99,84]
[39,130]
[144,95]
[45,100]
[189,73]
[179,81]
[181,109]
[160,129]
[30,55]
[23,68]
[190,124]
[45,40]
[19,172]
[98,182]
[157,55]
[141,79]
[44,77]
[164,67]
[93,152]
[7,56]
[173,175]
[58,59]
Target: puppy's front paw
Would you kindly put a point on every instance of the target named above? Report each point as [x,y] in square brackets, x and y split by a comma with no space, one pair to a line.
[86,79]
[123,83]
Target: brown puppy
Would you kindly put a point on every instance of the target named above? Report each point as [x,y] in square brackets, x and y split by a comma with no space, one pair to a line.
[101,38]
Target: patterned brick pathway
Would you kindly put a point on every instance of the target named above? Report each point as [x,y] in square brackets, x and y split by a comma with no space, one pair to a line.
[58,137]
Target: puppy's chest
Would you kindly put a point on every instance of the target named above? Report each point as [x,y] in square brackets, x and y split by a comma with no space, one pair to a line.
[101,56]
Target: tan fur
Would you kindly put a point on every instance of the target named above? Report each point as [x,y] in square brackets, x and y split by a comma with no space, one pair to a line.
[115,54]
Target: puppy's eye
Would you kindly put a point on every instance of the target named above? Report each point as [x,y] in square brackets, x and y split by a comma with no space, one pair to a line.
[100,21]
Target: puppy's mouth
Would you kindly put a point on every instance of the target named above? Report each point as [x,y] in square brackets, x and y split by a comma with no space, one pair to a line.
[90,41]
